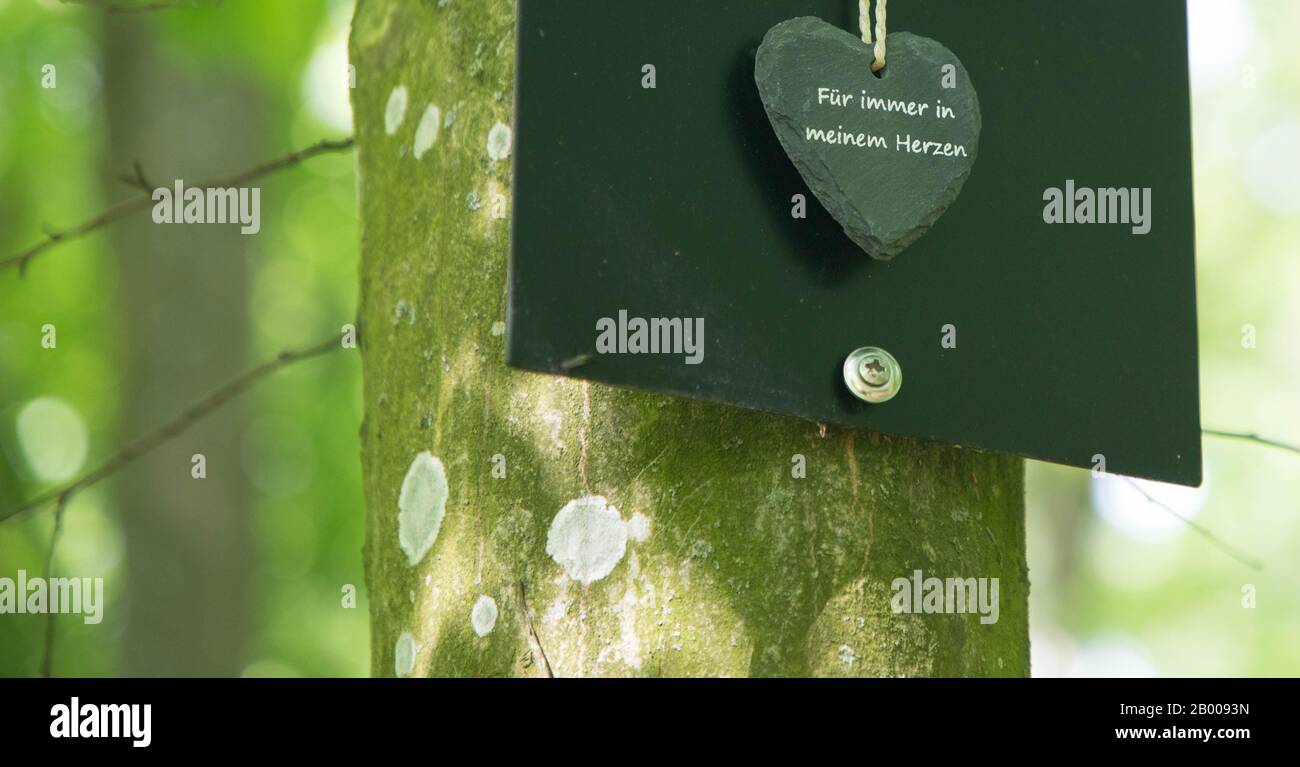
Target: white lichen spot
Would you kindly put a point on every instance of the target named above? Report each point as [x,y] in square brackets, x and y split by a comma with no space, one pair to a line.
[426,133]
[498,329]
[395,112]
[404,654]
[484,615]
[587,538]
[847,656]
[421,505]
[498,142]
[403,310]
[638,528]
[700,549]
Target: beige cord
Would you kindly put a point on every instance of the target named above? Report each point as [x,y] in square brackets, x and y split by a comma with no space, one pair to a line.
[864,22]
[881,34]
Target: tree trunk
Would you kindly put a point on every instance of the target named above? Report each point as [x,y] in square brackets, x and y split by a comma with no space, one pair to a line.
[183,289]
[723,561]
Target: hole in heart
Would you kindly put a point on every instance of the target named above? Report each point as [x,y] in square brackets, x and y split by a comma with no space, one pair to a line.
[881,72]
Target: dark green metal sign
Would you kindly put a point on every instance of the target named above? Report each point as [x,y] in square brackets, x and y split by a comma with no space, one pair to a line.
[664,240]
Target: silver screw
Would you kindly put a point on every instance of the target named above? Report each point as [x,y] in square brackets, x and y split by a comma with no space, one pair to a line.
[873,375]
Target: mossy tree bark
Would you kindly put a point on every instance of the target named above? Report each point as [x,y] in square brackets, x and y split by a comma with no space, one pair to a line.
[732,565]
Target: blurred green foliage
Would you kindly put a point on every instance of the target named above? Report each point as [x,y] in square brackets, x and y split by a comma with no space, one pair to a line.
[300,452]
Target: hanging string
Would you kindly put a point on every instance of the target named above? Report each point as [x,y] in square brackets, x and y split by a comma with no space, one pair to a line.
[881,34]
[864,23]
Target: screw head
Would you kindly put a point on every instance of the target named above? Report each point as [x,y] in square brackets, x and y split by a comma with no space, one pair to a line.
[873,375]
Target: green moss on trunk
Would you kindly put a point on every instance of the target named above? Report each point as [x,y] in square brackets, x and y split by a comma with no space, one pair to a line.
[733,566]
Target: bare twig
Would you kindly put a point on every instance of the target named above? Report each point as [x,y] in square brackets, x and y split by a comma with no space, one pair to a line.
[47,654]
[145,199]
[534,640]
[136,179]
[109,6]
[1251,437]
[182,422]
[1217,542]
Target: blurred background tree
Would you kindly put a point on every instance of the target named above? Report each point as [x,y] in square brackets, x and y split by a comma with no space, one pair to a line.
[241,572]
[1120,586]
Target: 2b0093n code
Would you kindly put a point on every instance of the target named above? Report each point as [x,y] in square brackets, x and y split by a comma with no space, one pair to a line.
[1188,709]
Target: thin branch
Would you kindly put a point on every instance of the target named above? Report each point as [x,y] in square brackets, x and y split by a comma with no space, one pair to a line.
[1218,543]
[145,199]
[137,179]
[1251,437]
[47,655]
[182,422]
[154,5]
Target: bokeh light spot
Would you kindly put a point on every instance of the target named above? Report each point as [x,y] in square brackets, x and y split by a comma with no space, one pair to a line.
[53,438]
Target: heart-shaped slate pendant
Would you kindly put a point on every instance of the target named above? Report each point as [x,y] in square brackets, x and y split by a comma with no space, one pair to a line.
[885,155]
